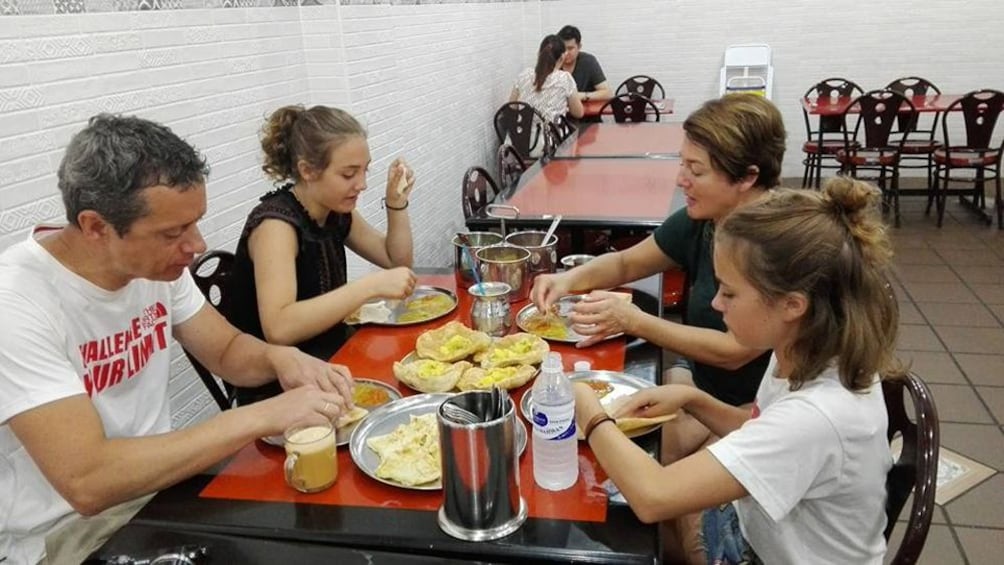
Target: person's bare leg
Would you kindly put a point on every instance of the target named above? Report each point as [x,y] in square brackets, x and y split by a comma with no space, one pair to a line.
[681,541]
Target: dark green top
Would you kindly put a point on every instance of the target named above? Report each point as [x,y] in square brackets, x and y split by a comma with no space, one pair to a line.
[688,243]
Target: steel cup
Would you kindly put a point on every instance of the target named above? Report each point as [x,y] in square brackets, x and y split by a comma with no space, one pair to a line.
[490,312]
[461,264]
[506,264]
[543,254]
[481,492]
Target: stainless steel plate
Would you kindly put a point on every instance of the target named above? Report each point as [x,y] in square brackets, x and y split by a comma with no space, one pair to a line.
[421,291]
[342,435]
[564,304]
[622,384]
[383,420]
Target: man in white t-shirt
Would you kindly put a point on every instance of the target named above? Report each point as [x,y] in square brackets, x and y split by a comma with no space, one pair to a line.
[89,312]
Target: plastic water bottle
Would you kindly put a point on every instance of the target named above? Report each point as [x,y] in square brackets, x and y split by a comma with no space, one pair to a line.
[555,445]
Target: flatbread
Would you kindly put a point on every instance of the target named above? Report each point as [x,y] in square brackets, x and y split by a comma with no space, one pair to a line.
[547,325]
[516,349]
[429,375]
[369,395]
[451,342]
[409,455]
[629,423]
[352,416]
[507,378]
[369,313]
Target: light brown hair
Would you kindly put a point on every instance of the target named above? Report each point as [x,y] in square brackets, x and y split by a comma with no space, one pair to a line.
[738,131]
[295,133]
[831,247]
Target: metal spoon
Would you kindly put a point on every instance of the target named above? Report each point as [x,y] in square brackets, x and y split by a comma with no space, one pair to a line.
[459,415]
[551,230]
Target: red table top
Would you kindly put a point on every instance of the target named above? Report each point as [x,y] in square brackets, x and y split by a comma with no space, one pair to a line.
[591,108]
[600,189]
[647,139]
[836,106]
[255,472]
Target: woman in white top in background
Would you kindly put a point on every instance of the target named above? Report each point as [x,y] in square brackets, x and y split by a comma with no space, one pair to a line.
[801,477]
[550,90]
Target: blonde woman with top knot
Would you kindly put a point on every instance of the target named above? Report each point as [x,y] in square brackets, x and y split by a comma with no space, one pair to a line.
[800,478]
[289,284]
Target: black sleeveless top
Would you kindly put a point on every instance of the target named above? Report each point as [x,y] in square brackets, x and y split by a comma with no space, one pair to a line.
[320,267]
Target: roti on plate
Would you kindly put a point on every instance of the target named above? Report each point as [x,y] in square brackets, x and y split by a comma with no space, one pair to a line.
[516,349]
[409,455]
[428,375]
[513,376]
[352,416]
[629,423]
[451,342]
[425,307]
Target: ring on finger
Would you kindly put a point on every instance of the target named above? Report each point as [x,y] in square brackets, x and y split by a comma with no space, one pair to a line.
[325,409]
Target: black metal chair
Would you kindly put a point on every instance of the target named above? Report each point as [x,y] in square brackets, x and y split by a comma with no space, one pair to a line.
[522,126]
[560,129]
[510,168]
[210,272]
[641,85]
[870,145]
[478,189]
[630,108]
[918,150]
[980,110]
[916,470]
[825,138]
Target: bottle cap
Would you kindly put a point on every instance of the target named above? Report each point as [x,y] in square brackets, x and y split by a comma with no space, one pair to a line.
[552,362]
[582,366]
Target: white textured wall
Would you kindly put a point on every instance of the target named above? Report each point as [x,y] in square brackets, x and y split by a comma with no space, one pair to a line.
[954,44]
[424,79]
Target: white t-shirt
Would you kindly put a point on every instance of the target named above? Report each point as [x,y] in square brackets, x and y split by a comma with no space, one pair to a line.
[814,462]
[552,99]
[63,336]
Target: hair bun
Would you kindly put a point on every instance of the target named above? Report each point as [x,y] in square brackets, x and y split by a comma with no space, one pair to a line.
[856,204]
[275,142]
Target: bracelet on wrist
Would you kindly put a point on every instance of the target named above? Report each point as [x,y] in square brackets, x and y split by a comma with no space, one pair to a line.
[595,422]
[383,202]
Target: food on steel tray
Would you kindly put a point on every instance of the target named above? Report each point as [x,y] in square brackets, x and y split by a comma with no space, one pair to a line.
[509,377]
[352,416]
[429,375]
[370,313]
[628,424]
[369,396]
[516,349]
[425,308]
[409,455]
[601,388]
[451,342]
[547,324]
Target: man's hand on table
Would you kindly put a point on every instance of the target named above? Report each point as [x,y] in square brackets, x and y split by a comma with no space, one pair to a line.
[302,406]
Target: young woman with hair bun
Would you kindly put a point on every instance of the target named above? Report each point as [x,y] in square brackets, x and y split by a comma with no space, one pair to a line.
[289,284]
[801,476]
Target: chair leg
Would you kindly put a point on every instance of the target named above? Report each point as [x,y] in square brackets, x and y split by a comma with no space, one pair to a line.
[818,170]
[942,195]
[998,203]
[932,192]
[807,162]
[895,195]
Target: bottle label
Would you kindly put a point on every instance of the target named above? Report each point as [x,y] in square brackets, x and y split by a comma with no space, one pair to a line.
[557,423]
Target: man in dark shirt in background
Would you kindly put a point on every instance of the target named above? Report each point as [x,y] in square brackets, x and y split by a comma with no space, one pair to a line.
[585,69]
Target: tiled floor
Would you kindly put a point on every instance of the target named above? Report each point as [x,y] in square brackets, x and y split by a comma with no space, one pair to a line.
[951,290]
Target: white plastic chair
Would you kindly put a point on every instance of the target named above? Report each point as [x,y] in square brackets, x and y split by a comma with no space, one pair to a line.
[747,68]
